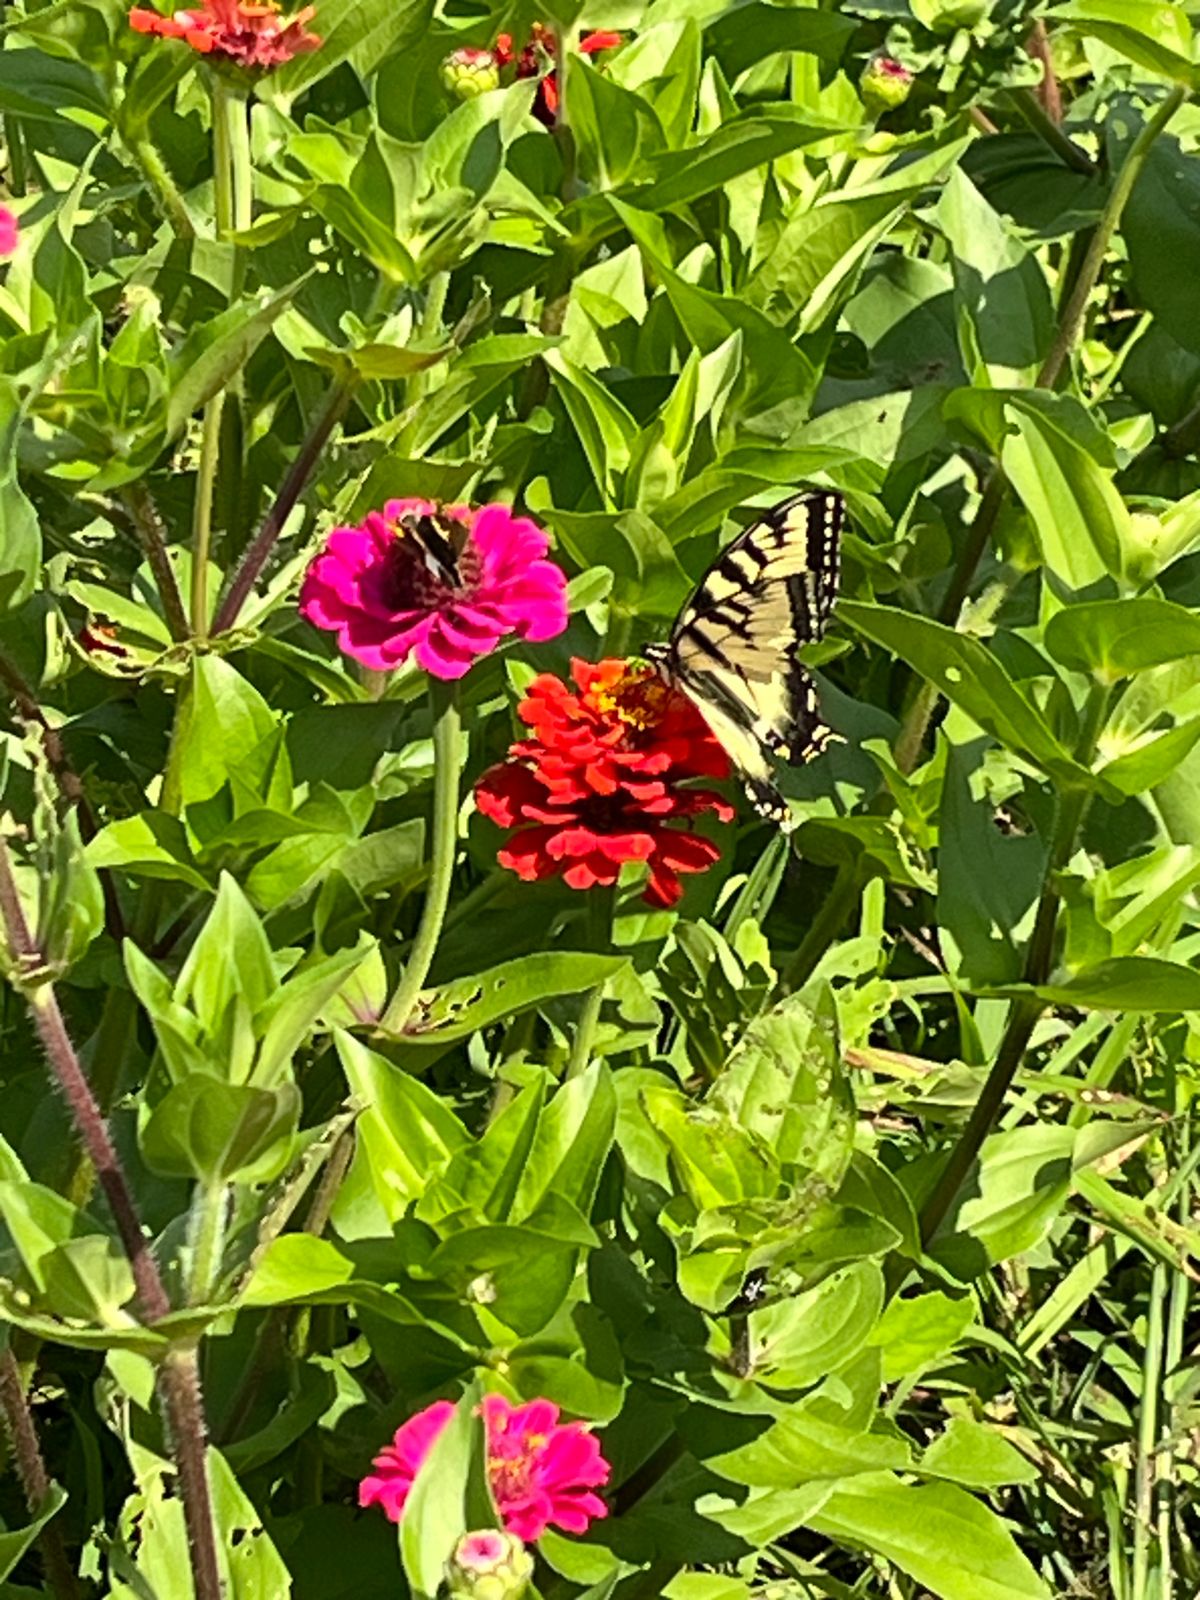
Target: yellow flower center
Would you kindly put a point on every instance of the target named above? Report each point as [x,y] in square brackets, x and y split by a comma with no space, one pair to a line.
[639,698]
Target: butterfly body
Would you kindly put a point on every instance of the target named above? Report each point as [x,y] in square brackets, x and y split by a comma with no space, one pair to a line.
[733,647]
[438,540]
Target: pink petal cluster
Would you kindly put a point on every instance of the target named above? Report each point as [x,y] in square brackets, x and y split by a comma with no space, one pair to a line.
[372,587]
[8,231]
[541,1471]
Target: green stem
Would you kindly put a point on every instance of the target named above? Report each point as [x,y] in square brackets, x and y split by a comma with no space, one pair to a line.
[166,191]
[600,935]
[233,196]
[1147,1441]
[1073,315]
[825,927]
[447,760]
[14,140]
[1023,1017]
[1030,109]
[207,1227]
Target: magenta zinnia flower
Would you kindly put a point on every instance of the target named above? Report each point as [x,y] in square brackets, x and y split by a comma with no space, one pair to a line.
[376,589]
[541,1471]
[9,231]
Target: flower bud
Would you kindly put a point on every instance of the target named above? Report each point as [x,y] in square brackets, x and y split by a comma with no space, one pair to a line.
[489,1565]
[884,83]
[470,72]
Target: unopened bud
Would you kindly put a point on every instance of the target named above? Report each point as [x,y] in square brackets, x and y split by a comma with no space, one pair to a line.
[884,84]
[489,1565]
[470,72]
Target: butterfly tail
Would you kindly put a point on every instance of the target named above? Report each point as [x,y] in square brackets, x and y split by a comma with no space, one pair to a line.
[768,802]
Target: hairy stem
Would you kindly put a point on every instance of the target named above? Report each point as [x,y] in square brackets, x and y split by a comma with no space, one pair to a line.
[179,1380]
[1049,95]
[85,1113]
[1030,109]
[148,526]
[259,550]
[166,191]
[31,1469]
[447,760]
[183,1405]
[1073,314]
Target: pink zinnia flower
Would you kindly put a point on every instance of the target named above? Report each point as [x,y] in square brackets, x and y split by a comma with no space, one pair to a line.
[379,591]
[541,1471]
[8,231]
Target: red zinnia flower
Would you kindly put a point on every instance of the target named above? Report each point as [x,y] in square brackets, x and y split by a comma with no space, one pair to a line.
[541,1471]
[600,780]
[537,60]
[257,36]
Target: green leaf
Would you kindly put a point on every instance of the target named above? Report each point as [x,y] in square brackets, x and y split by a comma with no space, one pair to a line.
[970,675]
[806,1444]
[974,1454]
[449,1497]
[951,1543]
[33,84]
[1081,521]
[915,1334]
[748,32]
[739,145]
[212,1131]
[1150,33]
[798,1341]
[1000,290]
[574,1135]
[1019,1185]
[1114,639]
[216,352]
[1161,229]
[151,844]
[14,1542]
[460,1008]
[365,33]
[407,1134]
[784,1083]
[20,542]
[1128,983]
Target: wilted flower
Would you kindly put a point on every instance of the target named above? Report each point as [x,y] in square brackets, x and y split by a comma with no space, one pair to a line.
[885,83]
[470,72]
[9,230]
[601,779]
[376,588]
[489,1566]
[537,60]
[541,1471]
[254,36]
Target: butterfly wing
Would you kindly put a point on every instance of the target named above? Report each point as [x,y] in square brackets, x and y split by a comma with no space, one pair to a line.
[733,647]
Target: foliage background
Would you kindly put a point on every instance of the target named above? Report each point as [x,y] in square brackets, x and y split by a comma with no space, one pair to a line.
[929,1067]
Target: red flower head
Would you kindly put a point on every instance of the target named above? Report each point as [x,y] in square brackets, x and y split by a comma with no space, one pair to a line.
[600,778]
[254,36]
[541,1471]
[537,60]
[373,586]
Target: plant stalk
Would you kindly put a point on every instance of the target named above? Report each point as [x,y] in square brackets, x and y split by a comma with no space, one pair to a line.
[210,1208]
[601,902]
[233,193]
[258,552]
[1145,1471]
[178,1376]
[1025,1012]
[148,527]
[31,1469]
[166,191]
[1072,318]
[447,762]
